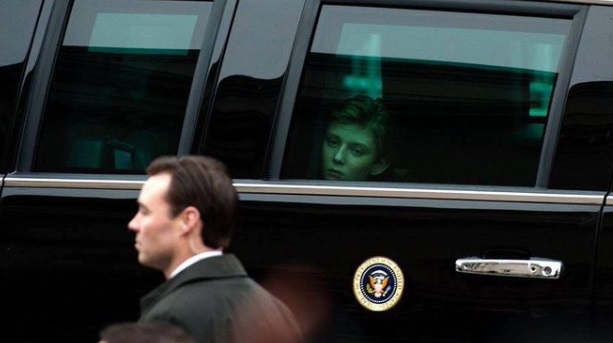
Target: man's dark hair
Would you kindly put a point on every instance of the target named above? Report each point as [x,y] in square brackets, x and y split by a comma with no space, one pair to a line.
[202,182]
[144,332]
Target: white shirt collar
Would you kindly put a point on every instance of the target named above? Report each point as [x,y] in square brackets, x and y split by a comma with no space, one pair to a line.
[194,259]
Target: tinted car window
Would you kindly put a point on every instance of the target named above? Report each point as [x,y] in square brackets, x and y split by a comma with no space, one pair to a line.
[121,83]
[466,96]
[240,122]
[17,23]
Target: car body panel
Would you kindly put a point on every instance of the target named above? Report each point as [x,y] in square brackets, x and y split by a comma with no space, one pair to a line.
[68,264]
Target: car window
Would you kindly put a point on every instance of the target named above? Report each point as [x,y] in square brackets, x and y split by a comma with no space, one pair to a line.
[120,85]
[17,23]
[424,96]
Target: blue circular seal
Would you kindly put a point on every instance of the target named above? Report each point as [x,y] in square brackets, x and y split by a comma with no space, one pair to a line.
[378,283]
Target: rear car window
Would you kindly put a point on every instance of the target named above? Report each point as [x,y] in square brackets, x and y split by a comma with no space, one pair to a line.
[425,96]
[120,86]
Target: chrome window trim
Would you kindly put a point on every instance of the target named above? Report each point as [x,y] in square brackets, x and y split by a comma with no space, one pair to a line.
[39,182]
[584,2]
[579,198]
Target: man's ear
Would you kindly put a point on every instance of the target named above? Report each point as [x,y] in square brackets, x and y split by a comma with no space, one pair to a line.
[190,218]
[380,166]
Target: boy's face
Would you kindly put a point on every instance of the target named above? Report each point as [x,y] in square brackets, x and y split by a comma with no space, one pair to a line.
[349,153]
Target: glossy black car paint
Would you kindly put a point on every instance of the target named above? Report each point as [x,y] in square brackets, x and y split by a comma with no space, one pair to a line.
[425,237]
[68,266]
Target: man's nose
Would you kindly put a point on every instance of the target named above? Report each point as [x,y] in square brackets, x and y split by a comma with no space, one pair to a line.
[132,224]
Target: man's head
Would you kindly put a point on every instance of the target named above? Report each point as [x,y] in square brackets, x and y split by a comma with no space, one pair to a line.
[355,142]
[187,205]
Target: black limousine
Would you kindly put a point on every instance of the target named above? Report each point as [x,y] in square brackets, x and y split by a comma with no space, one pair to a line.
[475,207]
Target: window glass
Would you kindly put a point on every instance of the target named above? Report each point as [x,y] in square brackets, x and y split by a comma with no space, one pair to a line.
[121,84]
[424,96]
[17,23]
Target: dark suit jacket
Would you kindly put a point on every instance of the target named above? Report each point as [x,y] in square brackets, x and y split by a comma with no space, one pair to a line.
[216,302]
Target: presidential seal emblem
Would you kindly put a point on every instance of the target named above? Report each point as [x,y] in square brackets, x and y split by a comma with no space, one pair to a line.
[378,283]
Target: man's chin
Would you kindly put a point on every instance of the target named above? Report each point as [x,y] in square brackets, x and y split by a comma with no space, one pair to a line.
[144,261]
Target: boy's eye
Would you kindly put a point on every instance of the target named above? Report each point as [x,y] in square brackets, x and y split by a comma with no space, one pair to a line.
[358,151]
[331,142]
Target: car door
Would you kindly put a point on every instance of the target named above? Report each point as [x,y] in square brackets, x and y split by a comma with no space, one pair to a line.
[116,84]
[591,119]
[111,90]
[480,225]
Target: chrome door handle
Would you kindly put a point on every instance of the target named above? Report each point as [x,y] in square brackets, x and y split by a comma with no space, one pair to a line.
[538,268]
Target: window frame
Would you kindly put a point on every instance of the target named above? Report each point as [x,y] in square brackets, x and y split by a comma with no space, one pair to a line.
[9,145]
[576,13]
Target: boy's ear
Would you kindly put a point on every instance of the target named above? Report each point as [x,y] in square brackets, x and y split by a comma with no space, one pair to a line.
[380,166]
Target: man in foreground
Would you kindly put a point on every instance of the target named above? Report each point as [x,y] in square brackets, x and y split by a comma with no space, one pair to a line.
[186,216]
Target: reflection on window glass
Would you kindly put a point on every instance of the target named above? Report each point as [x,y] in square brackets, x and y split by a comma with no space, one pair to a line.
[121,84]
[462,98]
[17,23]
